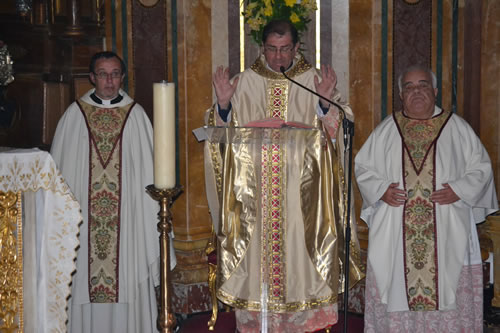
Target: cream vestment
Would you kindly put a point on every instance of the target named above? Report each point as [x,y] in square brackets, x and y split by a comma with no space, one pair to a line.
[132,306]
[278,205]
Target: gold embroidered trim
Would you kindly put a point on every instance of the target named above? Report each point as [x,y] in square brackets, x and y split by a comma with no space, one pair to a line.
[277,91]
[276,307]
[301,66]
[20,262]
[265,216]
[105,126]
[419,237]
[419,134]
[275,222]
[215,154]
[419,227]
[31,177]
[273,202]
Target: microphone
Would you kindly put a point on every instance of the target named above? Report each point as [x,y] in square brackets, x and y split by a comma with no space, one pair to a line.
[282,70]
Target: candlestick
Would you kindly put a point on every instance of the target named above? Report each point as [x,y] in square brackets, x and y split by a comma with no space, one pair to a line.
[166,318]
[164,134]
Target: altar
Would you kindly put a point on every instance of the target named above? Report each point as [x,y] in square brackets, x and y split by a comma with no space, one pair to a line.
[39,220]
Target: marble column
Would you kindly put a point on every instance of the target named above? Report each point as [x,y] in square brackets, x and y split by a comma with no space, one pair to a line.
[192,65]
[488,108]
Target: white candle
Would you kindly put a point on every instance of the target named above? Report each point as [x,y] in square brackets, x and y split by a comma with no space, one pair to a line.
[164,134]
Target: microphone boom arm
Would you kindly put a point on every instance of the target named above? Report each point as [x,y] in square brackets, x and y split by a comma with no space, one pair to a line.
[282,69]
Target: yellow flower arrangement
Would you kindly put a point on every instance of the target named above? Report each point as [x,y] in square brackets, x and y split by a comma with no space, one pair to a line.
[257,13]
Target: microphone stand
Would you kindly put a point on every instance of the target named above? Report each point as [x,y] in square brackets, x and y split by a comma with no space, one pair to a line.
[348,135]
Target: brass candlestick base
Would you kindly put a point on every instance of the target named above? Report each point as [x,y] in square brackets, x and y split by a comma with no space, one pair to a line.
[166,319]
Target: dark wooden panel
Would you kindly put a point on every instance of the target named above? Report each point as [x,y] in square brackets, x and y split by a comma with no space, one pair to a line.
[55,101]
[412,39]
[233,22]
[26,94]
[149,30]
[472,63]
[46,59]
[326,32]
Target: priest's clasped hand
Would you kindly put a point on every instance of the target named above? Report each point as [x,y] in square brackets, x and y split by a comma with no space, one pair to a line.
[394,196]
[444,196]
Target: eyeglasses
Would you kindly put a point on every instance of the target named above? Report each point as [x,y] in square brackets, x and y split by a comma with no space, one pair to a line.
[283,50]
[105,76]
[410,87]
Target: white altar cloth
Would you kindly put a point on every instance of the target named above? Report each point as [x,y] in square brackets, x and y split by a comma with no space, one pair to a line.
[51,216]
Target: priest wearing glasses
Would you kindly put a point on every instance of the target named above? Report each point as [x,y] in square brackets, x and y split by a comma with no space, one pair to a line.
[103,146]
[279,230]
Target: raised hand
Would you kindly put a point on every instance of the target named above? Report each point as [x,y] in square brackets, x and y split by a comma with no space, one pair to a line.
[327,85]
[444,196]
[223,87]
[394,196]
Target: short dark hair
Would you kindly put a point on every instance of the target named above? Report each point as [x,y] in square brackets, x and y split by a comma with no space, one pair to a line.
[105,55]
[280,27]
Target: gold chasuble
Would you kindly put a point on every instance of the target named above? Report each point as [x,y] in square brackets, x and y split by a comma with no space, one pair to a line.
[105,126]
[280,202]
[419,220]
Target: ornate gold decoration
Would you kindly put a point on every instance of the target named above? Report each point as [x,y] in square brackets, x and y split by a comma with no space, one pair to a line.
[212,277]
[412,2]
[105,127]
[31,171]
[166,197]
[215,155]
[301,66]
[212,243]
[212,273]
[11,263]
[277,97]
[276,308]
[419,219]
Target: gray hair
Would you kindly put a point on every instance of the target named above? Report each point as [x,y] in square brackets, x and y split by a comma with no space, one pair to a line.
[413,69]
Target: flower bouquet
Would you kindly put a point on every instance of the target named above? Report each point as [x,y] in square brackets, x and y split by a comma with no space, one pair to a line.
[257,13]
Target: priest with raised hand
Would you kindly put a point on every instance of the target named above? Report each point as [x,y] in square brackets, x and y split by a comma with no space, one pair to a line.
[278,208]
[103,146]
[426,180]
